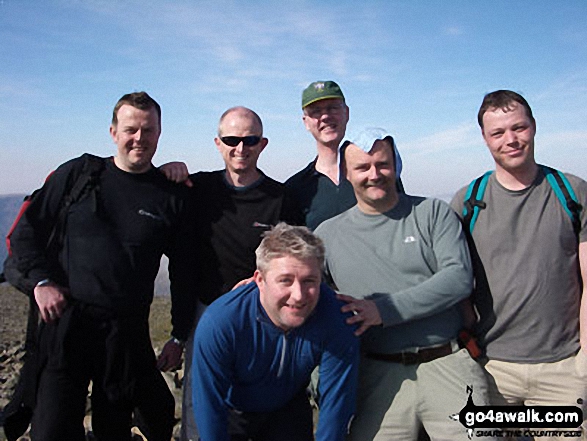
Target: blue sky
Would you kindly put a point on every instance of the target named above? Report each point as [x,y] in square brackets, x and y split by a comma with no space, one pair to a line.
[418,68]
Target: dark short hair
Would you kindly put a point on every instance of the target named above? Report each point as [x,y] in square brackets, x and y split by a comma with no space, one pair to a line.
[504,100]
[139,100]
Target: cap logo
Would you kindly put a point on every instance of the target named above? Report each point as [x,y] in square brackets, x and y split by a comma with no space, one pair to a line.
[319,90]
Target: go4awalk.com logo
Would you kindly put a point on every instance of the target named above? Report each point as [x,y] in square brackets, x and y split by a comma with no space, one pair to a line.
[519,421]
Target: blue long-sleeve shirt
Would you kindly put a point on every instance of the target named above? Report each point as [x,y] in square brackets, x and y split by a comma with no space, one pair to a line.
[243,361]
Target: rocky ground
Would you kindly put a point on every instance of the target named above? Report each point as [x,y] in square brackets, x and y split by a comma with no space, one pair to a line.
[13,316]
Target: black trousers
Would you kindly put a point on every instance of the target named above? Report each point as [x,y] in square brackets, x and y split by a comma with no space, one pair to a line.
[293,422]
[83,348]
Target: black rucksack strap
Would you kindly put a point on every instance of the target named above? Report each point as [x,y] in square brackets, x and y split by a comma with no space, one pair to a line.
[86,181]
[18,412]
[474,201]
[565,194]
[83,179]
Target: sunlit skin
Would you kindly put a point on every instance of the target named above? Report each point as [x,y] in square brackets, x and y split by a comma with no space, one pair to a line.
[509,135]
[136,136]
[328,128]
[240,161]
[372,176]
[289,290]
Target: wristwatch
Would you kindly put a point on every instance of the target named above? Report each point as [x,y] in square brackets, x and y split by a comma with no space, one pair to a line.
[43,283]
[177,341]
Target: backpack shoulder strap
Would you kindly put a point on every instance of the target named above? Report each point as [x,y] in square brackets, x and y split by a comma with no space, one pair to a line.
[25,204]
[565,194]
[474,201]
[85,181]
[91,168]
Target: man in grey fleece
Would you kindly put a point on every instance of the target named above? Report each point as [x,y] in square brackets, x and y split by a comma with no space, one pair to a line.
[531,268]
[403,265]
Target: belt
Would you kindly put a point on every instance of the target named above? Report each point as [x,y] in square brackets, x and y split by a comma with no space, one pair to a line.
[422,355]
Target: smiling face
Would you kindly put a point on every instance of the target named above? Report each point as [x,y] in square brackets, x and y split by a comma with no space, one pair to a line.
[136,135]
[509,135]
[326,120]
[240,159]
[372,176]
[289,290]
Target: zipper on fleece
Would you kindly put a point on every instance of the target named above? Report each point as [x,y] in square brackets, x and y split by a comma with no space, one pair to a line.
[282,359]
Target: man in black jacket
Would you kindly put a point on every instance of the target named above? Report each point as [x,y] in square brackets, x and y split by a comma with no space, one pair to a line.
[95,292]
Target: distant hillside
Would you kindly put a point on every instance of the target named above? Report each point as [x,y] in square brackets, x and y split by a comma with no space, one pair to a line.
[9,206]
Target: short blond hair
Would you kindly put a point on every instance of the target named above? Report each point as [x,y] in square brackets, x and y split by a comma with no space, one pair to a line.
[288,240]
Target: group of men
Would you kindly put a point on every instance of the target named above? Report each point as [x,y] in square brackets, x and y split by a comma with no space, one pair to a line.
[375,297]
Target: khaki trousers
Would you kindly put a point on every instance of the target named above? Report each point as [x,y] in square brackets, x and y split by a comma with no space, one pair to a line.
[561,383]
[395,400]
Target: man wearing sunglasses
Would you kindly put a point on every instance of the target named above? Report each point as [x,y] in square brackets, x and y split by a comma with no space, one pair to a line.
[237,205]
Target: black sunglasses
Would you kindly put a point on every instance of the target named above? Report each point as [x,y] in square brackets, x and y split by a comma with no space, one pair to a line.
[247,141]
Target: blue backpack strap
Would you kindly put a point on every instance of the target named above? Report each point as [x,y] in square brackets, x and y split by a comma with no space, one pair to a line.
[474,201]
[565,194]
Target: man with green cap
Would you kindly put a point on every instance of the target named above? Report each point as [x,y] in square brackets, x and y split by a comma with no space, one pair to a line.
[321,190]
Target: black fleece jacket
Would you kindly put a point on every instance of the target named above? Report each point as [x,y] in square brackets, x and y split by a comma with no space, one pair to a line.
[114,240]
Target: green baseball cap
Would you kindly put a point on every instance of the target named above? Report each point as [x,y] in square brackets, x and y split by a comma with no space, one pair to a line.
[321,90]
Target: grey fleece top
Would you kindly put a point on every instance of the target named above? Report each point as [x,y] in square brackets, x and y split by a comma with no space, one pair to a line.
[413,261]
